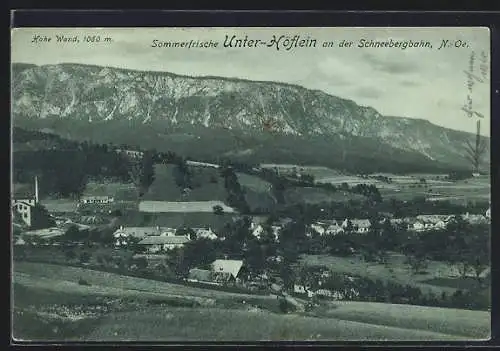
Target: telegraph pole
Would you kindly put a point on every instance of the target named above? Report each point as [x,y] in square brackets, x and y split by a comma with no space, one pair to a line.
[475,152]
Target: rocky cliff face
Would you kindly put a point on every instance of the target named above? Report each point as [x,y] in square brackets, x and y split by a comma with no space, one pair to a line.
[99,94]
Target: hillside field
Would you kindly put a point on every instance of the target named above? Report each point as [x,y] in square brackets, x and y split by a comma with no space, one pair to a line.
[315,195]
[176,219]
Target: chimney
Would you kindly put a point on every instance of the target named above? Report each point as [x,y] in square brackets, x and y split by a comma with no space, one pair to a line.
[36,189]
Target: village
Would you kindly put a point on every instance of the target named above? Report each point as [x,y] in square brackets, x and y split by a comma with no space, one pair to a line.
[153,244]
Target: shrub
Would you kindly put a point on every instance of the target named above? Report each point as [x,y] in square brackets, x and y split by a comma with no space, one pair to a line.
[85,257]
[70,254]
[82,281]
[283,305]
[218,210]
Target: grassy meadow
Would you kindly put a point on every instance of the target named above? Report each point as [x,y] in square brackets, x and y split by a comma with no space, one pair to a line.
[50,304]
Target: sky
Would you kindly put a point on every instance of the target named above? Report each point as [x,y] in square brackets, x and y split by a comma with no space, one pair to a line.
[426,83]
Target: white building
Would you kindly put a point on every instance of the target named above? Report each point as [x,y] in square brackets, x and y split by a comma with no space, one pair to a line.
[359,225]
[257,230]
[131,153]
[226,270]
[97,199]
[22,205]
[205,233]
[488,213]
[318,228]
[334,228]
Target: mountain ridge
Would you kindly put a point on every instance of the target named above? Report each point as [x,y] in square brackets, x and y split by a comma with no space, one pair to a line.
[91,92]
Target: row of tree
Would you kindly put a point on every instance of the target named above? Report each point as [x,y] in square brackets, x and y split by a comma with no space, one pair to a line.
[357,288]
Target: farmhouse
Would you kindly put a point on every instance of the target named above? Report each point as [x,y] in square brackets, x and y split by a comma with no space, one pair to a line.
[205,233]
[475,219]
[182,206]
[130,153]
[334,228]
[94,199]
[323,292]
[92,219]
[227,271]
[318,227]
[257,227]
[440,224]
[123,233]
[155,244]
[222,272]
[359,225]
[19,241]
[302,289]
[257,230]
[419,225]
[23,209]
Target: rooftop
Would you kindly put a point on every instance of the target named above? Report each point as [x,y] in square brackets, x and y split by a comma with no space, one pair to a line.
[200,274]
[141,232]
[162,240]
[232,267]
[361,222]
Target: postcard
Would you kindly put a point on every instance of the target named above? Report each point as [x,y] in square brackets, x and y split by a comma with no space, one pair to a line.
[250,184]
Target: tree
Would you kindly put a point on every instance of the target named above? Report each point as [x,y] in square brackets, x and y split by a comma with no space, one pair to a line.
[135,174]
[72,233]
[186,231]
[417,262]
[349,227]
[235,193]
[197,253]
[416,254]
[40,217]
[460,250]
[148,171]
[70,254]
[479,264]
[181,174]
[308,178]
[283,304]
[478,255]
[142,172]
[141,263]
[254,256]
[85,257]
